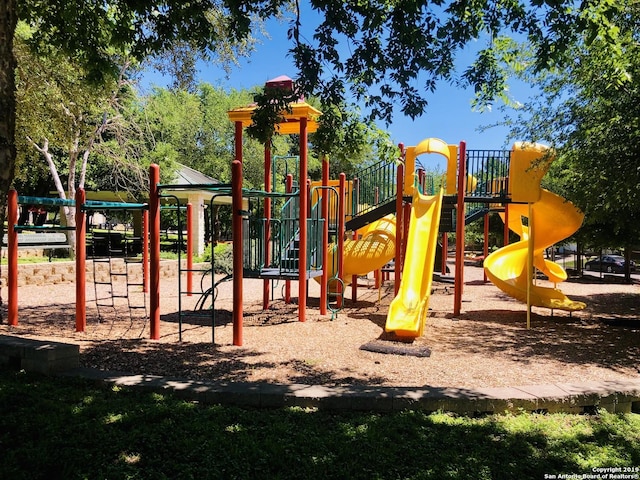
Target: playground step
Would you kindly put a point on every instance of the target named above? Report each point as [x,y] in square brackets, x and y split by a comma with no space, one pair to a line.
[289,264]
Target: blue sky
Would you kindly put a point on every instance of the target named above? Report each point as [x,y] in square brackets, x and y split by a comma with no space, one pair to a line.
[449,115]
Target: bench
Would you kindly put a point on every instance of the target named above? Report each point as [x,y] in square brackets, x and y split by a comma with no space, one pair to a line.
[50,241]
[39,356]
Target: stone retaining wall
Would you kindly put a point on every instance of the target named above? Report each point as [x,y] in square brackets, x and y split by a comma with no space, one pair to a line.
[65,272]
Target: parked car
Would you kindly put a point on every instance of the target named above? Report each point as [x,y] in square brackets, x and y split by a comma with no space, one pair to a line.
[609,264]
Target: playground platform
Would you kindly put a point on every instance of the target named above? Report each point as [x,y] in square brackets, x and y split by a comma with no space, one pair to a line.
[576,398]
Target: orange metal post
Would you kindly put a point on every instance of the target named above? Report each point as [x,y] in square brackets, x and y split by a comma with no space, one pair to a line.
[236,226]
[406,215]
[304,200]
[506,225]
[12,257]
[485,250]
[377,275]
[354,278]
[189,249]
[399,229]
[154,237]
[81,262]
[459,280]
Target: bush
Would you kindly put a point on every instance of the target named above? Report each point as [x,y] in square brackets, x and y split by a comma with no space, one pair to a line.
[223,257]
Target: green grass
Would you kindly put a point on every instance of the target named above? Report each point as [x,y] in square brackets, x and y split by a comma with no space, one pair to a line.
[22,260]
[72,429]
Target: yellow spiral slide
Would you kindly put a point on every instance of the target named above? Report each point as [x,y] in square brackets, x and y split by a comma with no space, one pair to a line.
[371,252]
[549,219]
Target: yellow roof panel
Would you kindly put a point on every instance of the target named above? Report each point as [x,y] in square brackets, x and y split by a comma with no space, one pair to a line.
[291,120]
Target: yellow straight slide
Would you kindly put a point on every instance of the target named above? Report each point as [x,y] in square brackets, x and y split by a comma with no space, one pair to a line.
[408,311]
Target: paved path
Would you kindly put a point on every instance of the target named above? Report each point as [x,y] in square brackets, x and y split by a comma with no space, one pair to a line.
[613,396]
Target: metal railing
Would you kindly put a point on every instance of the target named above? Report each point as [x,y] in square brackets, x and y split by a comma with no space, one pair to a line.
[487,173]
[373,186]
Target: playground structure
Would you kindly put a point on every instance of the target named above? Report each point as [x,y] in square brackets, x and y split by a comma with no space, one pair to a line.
[390,214]
[118,281]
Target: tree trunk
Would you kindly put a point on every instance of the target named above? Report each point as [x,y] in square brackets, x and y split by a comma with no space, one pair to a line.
[8,19]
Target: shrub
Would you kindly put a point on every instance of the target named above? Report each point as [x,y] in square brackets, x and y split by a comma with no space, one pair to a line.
[223,257]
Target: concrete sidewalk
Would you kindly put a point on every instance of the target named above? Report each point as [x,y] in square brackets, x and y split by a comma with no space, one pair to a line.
[618,397]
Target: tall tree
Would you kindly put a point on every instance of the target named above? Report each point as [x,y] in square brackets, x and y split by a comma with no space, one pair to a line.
[98,35]
[196,126]
[590,112]
[66,120]
[379,51]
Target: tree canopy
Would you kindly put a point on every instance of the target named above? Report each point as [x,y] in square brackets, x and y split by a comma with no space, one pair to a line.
[378,52]
[590,112]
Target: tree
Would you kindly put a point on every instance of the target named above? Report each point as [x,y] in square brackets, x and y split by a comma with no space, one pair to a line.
[197,127]
[65,120]
[590,112]
[395,51]
[98,36]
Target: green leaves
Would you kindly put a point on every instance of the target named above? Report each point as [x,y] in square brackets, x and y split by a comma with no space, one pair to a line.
[589,111]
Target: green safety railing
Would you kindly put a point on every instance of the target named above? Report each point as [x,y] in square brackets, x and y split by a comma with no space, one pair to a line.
[490,171]
[373,186]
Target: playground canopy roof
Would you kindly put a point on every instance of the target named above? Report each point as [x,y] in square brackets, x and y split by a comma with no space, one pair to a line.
[189,182]
[185,177]
[290,123]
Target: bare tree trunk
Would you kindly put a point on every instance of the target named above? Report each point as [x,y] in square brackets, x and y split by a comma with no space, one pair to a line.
[67,214]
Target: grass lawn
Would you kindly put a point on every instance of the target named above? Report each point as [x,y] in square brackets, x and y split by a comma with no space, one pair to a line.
[66,428]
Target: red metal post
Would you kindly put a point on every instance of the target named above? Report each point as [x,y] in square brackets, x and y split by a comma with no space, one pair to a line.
[145,250]
[154,237]
[12,257]
[304,200]
[325,235]
[377,275]
[267,222]
[81,262]
[189,249]
[340,243]
[459,279]
[236,227]
[406,219]
[506,225]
